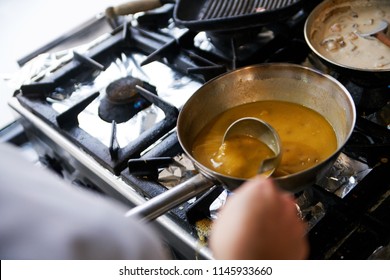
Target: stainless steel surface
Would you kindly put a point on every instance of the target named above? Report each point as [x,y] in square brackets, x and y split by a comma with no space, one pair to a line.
[172,233]
[285,82]
[262,131]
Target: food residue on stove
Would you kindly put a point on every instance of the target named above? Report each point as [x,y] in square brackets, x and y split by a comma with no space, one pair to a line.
[203,229]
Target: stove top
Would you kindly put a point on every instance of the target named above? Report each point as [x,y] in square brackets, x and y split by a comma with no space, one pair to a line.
[73,109]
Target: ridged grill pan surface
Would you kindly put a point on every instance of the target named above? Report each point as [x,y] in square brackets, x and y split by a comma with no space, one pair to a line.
[232,14]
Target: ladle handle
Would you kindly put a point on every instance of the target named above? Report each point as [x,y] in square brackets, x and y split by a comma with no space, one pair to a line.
[164,202]
[381,36]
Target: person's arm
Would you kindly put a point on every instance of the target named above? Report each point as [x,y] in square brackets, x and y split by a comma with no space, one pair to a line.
[259,222]
[43,217]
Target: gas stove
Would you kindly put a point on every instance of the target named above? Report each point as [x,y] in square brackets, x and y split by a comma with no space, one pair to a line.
[77,112]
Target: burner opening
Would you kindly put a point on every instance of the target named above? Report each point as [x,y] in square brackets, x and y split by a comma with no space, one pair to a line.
[122,100]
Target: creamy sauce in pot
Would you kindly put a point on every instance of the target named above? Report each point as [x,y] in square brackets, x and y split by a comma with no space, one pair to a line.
[307,139]
[335,34]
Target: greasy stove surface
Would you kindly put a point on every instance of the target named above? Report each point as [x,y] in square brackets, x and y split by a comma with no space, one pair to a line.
[348,212]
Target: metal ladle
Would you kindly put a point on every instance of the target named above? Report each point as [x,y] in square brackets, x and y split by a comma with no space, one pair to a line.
[262,131]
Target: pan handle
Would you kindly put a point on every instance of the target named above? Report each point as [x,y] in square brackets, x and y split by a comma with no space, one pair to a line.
[132,7]
[164,202]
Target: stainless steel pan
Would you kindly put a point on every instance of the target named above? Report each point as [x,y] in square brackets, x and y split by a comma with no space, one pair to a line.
[286,82]
[361,76]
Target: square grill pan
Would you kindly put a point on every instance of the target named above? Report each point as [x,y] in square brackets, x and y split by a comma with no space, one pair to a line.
[226,15]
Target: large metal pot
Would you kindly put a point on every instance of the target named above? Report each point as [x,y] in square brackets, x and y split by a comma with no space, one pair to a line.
[313,35]
[285,82]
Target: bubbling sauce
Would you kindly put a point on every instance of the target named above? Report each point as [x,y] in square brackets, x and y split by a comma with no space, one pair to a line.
[336,34]
[307,139]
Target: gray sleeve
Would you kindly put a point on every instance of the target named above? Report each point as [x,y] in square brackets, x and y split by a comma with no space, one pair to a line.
[42,217]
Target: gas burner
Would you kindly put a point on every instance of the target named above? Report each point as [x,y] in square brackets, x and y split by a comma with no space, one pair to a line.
[122,100]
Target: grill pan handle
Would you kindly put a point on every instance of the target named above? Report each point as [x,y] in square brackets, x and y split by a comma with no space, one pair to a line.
[132,7]
[164,202]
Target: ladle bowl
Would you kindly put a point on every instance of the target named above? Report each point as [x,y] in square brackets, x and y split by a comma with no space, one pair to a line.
[258,129]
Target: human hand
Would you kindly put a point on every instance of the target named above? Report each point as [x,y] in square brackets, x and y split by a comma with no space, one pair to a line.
[259,221]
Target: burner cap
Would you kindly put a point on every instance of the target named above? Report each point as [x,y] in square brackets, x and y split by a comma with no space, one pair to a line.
[123,90]
[122,101]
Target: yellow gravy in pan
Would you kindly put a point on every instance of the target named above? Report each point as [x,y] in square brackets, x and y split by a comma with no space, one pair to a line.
[234,154]
[307,139]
